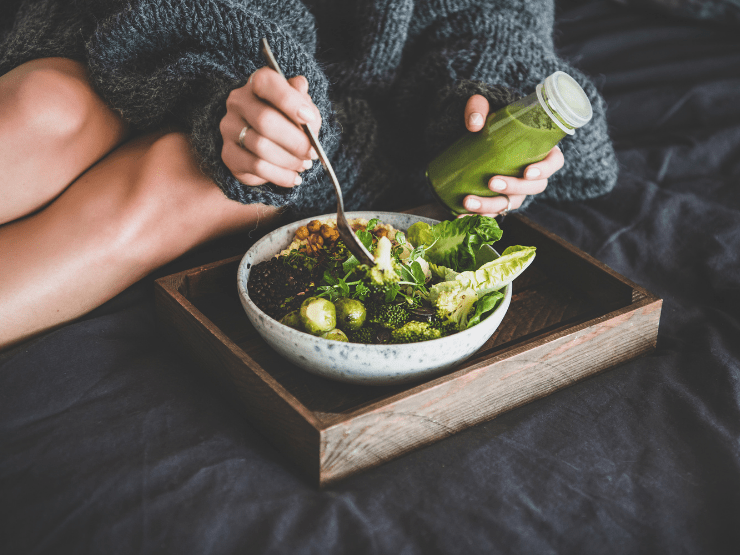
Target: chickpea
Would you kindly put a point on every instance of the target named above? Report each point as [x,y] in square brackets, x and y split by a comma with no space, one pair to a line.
[313,226]
[326,231]
[301,233]
[315,243]
[316,239]
[334,237]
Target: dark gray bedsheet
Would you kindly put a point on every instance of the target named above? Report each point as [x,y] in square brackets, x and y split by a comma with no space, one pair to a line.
[109,443]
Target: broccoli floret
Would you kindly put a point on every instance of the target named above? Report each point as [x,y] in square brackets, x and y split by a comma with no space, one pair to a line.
[454,303]
[390,316]
[363,335]
[414,331]
[445,327]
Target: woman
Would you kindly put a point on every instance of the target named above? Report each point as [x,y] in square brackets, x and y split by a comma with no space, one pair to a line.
[135,131]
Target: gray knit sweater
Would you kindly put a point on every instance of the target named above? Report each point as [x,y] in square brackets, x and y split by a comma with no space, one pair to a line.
[391,78]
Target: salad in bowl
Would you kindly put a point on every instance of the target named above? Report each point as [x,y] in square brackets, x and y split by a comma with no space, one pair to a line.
[435,294]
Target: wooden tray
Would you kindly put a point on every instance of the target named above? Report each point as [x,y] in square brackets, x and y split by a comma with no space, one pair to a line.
[570,317]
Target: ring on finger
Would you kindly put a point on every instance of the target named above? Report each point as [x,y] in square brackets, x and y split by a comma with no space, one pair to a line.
[506,210]
[242,133]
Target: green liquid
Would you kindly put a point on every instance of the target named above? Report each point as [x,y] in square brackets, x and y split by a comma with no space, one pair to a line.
[512,138]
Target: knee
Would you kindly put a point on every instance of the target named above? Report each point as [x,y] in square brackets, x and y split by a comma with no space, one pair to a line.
[180,201]
[167,170]
[51,99]
[150,200]
[166,191]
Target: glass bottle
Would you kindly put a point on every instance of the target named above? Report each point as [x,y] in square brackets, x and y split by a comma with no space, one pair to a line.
[512,138]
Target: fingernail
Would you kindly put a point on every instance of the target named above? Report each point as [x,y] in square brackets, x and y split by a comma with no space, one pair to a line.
[532,173]
[307,164]
[472,204]
[475,119]
[306,113]
[297,180]
[313,154]
[498,185]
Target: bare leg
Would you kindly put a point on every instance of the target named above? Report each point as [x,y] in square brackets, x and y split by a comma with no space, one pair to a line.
[140,207]
[53,127]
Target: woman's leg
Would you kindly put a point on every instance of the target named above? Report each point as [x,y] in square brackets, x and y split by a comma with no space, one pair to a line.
[52,128]
[141,206]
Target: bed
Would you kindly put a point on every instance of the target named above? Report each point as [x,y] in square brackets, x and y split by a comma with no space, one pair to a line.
[110,442]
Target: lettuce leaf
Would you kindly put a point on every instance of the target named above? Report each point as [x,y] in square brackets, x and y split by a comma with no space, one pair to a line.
[454,243]
[442,272]
[490,277]
[498,273]
[484,284]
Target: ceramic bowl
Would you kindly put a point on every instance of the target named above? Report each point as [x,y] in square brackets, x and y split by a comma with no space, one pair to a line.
[356,362]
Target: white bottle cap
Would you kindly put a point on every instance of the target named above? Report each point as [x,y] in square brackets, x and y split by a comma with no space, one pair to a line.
[566,97]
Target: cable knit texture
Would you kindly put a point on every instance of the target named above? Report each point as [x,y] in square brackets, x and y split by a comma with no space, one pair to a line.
[390,77]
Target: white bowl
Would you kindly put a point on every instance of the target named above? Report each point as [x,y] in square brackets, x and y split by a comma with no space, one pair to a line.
[357,362]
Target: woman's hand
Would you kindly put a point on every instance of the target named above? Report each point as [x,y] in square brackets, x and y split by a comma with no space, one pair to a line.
[274,148]
[515,188]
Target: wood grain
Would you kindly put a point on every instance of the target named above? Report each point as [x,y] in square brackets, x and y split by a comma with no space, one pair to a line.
[517,375]
[266,404]
[570,317]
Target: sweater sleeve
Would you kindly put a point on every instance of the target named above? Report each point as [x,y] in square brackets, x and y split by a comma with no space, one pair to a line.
[168,63]
[488,47]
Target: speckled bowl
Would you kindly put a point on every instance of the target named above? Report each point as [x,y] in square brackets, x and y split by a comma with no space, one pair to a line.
[355,362]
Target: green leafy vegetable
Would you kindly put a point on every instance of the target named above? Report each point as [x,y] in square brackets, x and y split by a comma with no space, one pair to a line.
[448,268]
[453,299]
[454,243]
[420,234]
[366,238]
[498,273]
[485,305]
[350,264]
[361,291]
[334,288]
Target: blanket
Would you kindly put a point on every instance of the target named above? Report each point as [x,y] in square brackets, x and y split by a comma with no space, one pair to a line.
[111,443]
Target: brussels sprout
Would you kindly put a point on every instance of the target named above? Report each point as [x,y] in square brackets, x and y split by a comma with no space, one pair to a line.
[318,315]
[351,314]
[292,319]
[336,334]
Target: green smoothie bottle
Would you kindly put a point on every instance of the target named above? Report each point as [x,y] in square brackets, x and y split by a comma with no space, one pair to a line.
[512,138]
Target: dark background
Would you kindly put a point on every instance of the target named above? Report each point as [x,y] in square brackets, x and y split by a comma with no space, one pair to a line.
[110,443]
